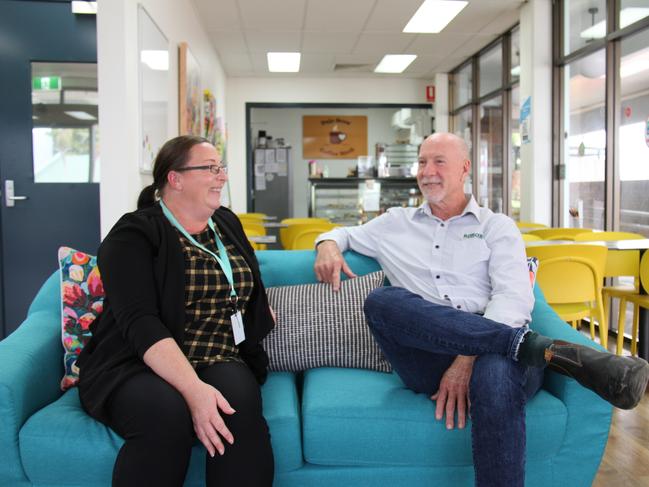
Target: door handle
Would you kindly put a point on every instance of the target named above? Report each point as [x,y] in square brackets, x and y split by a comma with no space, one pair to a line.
[10,198]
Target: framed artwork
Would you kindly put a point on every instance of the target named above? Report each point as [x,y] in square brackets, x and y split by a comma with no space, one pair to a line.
[154,88]
[190,94]
[334,136]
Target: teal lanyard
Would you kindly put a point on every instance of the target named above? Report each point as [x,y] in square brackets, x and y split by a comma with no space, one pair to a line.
[224,263]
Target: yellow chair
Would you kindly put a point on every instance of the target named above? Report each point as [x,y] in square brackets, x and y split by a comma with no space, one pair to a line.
[573,284]
[256,216]
[305,239]
[618,264]
[251,232]
[637,300]
[257,226]
[530,238]
[295,221]
[559,233]
[530,225]
[293,230]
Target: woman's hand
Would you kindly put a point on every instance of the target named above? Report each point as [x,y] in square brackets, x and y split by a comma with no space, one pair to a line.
[204,403]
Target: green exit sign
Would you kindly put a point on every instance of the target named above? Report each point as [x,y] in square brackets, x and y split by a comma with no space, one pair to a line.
[46,83]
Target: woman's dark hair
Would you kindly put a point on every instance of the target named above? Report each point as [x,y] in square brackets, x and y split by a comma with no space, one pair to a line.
[173,155]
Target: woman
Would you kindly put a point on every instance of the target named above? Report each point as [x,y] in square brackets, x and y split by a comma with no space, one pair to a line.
[176,353]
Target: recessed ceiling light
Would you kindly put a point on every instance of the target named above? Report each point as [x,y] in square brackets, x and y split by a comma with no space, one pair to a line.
[155,59]
[81,115]
[283,62]
[394,63]
[79,7]
[433,15]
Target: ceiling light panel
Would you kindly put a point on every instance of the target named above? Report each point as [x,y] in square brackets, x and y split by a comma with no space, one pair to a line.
[394,63]
[433,16]
[283,62]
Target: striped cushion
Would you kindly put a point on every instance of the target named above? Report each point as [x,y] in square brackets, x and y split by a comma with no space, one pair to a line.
[317,327]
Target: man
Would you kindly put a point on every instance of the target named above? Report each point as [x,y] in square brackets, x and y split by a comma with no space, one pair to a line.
[454,322]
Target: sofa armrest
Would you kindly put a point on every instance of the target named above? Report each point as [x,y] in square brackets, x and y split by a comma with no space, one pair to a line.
[31,368]
[589,416]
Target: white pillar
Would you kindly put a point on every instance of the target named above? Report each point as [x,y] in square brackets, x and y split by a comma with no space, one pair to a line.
[536,83]
[441,102]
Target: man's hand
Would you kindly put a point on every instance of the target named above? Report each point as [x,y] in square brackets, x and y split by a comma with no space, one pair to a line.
[328,264]
[453,392]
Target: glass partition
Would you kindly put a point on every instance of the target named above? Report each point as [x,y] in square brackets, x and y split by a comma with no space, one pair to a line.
[65,135]
[491,68]
[584,22]
[633,135]
[490,169]
[585,142]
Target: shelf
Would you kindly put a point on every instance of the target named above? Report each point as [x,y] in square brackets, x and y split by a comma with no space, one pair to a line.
[357,180]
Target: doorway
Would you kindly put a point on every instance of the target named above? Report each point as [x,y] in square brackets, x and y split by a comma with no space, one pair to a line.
[49,146]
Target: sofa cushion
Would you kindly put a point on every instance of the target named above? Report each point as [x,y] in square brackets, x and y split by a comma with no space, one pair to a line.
[359,417]
[62,445]
[82,296]
[319,327]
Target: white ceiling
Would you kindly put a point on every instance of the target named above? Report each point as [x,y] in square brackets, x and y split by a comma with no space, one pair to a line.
[351,32]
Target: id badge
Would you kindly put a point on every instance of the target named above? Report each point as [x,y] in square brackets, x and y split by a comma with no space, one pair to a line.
[237,328]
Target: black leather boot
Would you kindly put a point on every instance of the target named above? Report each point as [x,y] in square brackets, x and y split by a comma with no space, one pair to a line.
[622,381]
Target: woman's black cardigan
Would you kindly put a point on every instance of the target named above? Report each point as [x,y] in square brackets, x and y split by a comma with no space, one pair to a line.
[143,271]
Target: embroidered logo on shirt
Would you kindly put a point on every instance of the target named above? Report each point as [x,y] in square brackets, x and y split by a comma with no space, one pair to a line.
[473,235]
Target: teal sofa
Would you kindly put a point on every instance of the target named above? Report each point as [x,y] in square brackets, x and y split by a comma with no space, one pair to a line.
[329,427]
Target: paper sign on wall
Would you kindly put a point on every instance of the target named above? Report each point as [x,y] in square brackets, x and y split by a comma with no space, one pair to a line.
[525,120]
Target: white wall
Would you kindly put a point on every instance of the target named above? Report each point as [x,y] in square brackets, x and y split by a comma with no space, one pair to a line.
[302,90]
[287,123]
[117,54]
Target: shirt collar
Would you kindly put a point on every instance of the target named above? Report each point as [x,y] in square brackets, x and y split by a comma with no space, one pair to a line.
[471,207]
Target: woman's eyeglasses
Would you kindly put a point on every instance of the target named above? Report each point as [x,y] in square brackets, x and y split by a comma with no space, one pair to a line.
[213,168]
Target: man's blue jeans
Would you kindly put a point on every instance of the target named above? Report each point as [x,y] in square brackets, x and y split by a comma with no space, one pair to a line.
[421,339]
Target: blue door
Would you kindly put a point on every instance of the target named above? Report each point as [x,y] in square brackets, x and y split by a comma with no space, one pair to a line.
[50,195]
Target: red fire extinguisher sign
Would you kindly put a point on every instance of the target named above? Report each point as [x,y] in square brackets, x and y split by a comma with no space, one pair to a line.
[430,93]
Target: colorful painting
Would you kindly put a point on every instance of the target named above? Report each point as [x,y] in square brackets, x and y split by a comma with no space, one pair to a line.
[334,136]
[189,93]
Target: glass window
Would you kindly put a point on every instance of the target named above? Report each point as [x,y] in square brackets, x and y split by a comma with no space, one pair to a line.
[633,10]
[65,136]
[463,127]
[463,82]
[584,21]
[585,143]
[633,137]
[491,68]
[490,154]
[515,56]
[515,155]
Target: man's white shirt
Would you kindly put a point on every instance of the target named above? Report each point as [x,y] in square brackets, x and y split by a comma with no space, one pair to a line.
[474,262]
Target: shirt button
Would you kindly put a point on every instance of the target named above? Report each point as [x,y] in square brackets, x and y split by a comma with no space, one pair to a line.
[441,225]
[446,296]
[436,277]
[436,246]
[459,307]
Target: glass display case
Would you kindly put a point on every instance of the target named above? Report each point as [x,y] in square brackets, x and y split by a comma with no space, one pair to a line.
[353,201]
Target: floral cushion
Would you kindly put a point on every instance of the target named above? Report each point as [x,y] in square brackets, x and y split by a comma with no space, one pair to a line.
[82,294]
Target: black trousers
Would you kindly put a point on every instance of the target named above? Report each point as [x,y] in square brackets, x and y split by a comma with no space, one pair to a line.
[155,422]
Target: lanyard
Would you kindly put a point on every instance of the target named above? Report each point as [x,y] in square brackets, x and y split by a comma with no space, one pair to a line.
[224,263]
